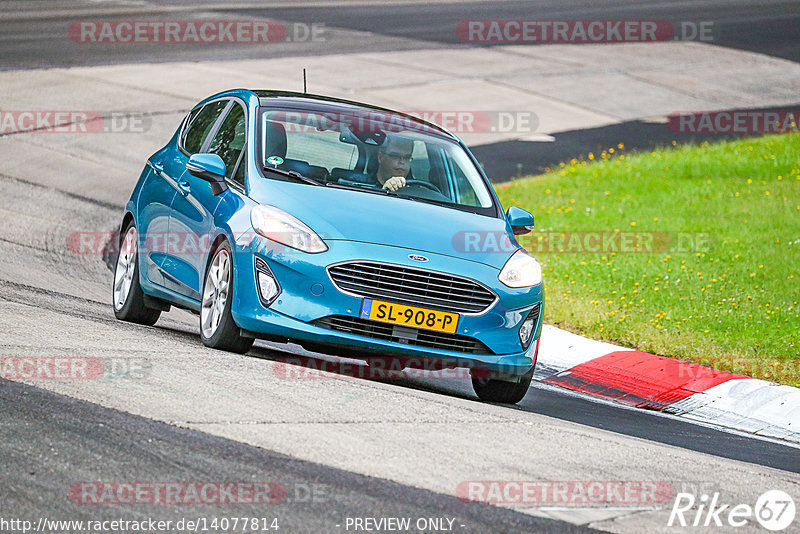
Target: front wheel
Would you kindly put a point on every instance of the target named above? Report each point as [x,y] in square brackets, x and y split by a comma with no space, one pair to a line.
[129,299]
[502,391]
[217,328]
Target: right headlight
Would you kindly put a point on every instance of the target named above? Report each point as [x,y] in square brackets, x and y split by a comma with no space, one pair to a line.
[277,225]
[521,270]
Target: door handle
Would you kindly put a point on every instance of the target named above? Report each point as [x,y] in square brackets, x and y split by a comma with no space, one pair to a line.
[158,167]
[184,187]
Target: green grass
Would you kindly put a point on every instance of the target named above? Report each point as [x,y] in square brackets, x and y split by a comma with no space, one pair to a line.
[720,283]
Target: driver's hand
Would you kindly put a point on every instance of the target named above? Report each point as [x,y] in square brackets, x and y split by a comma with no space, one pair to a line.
[394,183]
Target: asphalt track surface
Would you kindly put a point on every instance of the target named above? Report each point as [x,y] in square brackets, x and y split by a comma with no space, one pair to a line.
[90,443]
[49,441]
[33,37]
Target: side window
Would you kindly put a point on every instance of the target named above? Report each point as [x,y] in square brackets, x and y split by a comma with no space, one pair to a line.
[200,124]
[229,139]
[420,166]
[189,120]
[434,158]
[240,171]
[465,192]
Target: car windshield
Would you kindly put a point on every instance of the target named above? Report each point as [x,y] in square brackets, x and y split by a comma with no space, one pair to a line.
[363,150]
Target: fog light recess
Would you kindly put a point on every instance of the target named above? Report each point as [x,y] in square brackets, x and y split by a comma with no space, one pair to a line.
[529,327]
[267,284]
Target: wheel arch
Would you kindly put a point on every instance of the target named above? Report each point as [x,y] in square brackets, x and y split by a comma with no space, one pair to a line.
[222,237]
[126,220]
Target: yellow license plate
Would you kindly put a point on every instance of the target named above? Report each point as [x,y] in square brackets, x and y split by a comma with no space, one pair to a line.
[390,312]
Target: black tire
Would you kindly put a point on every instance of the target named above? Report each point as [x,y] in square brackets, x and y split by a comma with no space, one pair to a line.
[502,391]
[226,336]
[133,309]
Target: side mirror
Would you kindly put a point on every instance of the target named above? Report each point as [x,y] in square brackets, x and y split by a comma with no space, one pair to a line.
[208,167]
[521,221]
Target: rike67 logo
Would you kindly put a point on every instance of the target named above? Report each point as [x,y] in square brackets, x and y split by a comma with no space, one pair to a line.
[774,510]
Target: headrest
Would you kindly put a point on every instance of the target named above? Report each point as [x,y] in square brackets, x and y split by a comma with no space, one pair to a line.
[275,139]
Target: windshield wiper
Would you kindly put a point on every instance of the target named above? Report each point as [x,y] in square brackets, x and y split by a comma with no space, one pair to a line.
[295,176]
[353,187]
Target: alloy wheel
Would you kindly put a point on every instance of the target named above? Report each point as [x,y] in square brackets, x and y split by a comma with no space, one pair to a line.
[126,266]
[215,292]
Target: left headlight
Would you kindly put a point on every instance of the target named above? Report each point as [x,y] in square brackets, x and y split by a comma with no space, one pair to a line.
[279,226]
[521,270]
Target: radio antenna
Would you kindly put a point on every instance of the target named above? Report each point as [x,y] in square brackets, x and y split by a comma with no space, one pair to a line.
[305,91]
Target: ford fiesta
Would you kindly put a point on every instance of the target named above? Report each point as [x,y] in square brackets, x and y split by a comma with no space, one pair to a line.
[346,228]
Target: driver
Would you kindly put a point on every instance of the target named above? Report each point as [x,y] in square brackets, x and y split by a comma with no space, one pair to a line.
[394,163]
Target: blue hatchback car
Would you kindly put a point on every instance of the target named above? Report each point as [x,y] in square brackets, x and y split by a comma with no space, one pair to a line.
[347,228]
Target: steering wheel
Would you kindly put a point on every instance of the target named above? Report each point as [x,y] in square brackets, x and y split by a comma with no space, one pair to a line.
[424,184]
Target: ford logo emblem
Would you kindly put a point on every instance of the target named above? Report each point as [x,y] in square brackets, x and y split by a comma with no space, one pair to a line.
[417,257]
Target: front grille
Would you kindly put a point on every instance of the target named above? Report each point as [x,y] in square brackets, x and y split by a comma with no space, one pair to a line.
[411,286]
[403,334]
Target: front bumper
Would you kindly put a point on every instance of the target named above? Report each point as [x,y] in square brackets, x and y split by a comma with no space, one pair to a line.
[308,295]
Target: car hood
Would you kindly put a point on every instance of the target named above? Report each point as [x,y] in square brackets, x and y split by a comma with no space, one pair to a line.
[341,214]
